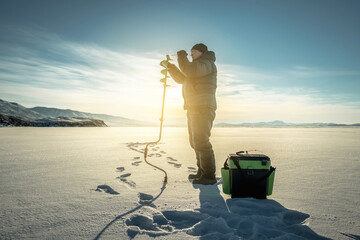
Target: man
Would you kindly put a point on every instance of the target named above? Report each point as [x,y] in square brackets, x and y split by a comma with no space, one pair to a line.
[199,85]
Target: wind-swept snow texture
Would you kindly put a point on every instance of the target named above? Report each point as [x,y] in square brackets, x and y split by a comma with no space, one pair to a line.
[92,183]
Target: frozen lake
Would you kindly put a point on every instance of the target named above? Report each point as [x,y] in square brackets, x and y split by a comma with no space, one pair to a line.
[49,177]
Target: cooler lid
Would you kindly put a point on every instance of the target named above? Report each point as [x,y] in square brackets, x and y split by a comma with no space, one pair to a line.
[250,156]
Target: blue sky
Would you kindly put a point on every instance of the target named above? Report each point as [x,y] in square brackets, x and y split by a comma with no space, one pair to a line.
[297,61]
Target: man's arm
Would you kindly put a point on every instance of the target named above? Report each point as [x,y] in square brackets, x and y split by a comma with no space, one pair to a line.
[176,74]
[194,69]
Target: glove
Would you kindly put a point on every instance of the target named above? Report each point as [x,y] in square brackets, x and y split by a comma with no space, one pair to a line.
[170,65]
[167,65]
[182,53]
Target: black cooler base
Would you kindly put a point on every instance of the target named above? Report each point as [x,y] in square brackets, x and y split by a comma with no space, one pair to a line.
[248,183]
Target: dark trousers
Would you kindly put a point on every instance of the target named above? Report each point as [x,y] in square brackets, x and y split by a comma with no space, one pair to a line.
[200,122]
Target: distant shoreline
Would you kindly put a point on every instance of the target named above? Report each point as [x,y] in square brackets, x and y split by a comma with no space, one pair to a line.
[179,126]
[16,114]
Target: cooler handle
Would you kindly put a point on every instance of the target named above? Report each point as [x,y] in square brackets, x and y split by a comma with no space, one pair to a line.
[226,164]
[236,162]
[272,169]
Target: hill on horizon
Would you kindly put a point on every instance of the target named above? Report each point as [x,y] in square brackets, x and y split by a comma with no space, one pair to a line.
[17,110]
[278,123]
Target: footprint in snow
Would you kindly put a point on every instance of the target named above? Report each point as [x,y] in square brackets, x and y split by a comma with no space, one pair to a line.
[177,165]
[106,189]
[171,159]
[191,169]
[135,158]
[129,183]
[138,147]
[136,163]
[120,169]
[154,155]
[125,175]
[146,199]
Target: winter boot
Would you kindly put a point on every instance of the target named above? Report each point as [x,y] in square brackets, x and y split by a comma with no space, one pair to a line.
[197,175]
[199,172]
[204,180]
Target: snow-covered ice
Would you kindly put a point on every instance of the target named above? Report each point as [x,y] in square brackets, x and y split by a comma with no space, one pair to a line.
[92,183]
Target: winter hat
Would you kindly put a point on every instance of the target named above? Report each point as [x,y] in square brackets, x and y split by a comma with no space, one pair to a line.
[200,47]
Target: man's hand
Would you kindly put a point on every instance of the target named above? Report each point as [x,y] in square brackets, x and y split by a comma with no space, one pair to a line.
[182,53]
[170,65]
[166,64]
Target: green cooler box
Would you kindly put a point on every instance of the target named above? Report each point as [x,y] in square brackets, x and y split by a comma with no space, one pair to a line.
[248,175]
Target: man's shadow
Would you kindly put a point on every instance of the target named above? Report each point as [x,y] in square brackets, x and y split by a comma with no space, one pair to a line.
[216,218]
[249,218]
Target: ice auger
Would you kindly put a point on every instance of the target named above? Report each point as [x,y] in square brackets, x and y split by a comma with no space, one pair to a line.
[164,64]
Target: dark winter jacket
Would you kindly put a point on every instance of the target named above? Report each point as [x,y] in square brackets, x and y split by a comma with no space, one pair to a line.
[198,79]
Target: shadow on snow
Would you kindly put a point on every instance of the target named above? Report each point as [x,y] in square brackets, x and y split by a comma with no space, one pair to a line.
[240,218]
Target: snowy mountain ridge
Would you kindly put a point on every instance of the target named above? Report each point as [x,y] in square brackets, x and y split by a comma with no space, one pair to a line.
[6,120]
[17,110]
[278,123]
[35,113]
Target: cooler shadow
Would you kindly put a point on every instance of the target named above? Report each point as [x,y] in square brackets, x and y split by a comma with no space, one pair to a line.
[248,218]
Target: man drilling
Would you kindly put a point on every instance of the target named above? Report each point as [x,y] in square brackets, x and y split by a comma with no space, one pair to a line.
[199,85]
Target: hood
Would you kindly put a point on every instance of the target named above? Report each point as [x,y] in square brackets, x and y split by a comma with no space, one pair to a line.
[210,55]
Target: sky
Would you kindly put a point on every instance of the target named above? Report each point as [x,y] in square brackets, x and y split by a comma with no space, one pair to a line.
[295,61]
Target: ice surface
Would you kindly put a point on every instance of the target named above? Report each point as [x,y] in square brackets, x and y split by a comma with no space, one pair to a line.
[50,176]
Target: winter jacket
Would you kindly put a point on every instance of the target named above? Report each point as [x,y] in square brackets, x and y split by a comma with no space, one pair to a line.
[198,79]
